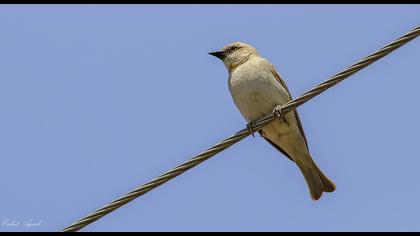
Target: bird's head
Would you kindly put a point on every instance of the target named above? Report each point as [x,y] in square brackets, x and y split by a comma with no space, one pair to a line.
[235,54]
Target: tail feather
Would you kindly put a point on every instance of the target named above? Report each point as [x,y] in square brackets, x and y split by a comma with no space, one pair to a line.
[329,186]
[316,180]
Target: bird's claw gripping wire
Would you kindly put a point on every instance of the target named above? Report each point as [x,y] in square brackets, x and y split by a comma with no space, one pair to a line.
[279,113]
[250,129]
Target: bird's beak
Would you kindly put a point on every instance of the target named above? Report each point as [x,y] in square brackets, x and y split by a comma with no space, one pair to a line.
[219,54]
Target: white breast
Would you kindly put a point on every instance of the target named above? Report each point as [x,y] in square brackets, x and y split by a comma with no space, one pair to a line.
[255,90]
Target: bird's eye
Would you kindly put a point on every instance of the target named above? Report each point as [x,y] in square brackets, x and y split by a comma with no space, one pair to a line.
[232,48]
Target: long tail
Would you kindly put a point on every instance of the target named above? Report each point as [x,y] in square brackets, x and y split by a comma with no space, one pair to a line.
[316,180]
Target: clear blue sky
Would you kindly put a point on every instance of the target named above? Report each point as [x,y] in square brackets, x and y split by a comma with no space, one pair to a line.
[96,100]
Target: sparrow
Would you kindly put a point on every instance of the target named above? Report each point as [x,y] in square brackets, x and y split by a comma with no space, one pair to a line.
[257,90]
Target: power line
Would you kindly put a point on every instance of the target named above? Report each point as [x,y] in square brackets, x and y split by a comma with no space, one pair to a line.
[289,106]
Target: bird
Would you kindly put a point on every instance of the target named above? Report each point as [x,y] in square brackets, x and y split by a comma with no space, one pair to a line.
[257,90]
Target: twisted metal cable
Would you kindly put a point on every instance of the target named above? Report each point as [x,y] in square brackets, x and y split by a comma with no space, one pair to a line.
[289,106]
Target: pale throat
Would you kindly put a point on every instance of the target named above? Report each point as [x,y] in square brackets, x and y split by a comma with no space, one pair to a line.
[233,65]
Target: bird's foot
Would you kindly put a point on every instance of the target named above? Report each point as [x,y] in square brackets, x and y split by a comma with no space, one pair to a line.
[250,129]
[279,113]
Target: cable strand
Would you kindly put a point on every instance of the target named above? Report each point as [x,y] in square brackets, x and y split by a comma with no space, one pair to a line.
[238,136]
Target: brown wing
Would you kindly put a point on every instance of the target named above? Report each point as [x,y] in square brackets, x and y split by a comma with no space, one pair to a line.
[277,147]
[278,77]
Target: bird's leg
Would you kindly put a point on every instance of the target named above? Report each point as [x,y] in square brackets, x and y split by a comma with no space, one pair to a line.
[279,113]
[250,129]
